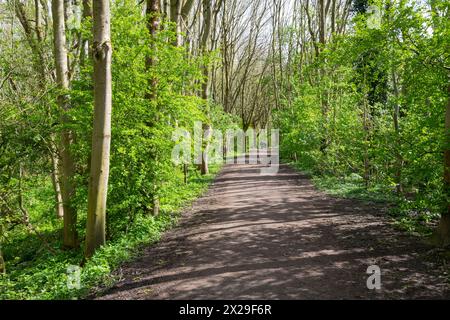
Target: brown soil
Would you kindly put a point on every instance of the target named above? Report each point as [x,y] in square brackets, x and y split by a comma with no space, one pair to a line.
[258,236]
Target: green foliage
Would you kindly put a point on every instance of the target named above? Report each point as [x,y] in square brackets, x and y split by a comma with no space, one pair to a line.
[341,123]
[149,102]
[36,273]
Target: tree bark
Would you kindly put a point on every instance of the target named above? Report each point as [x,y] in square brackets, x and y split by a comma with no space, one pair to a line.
[101,134]
[37,18]
[2,261]
[207,14]
[67,162]
[153,12]
[175,16]
[153,24]
[57,187]
[322,22]
[333,17]
[274,51]
[442,234]
[186,9]
[86,50]
[398,157]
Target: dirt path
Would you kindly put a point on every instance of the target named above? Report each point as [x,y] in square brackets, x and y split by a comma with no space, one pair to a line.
[258,236]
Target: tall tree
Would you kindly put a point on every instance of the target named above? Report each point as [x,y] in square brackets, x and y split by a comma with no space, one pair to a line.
[153,24]
[67,162]
[85,49]
[443,231]
[35,39]
[2,261]
[207,15]
[101,132]
[441,24]
[179,11]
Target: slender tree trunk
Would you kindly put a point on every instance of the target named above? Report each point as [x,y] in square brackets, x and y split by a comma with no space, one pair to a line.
[398,157]
[185,173]
[86,50]
[183,19]
[333,17]
[87,8]
[274,70]
[153,24]
[207,14]
[153,12]
[57,186]
[40,63]
[175,16]
[174,5]
[322,22]
[2,261]
[225,63]
[323,74]
[101,134]
[165,8]
[310,29]
[67,162]
[366,128]
[366,145]
[204,168]
[37,20]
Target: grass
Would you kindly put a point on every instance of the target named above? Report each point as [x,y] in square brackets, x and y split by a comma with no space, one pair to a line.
[37,272]
[417,217]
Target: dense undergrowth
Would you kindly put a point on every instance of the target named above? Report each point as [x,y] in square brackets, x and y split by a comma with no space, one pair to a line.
[367,116]
[38,268]
[412,214]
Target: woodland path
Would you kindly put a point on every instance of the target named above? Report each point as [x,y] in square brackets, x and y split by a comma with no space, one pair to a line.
[258,236]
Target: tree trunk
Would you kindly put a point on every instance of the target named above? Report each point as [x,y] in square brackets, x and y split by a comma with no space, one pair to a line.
[183,18]
[165,8]
[67,164]
[39,64]
[274,51]
[86,50]
[333,17]
[175,16]
[442,234]
[57,186]
[37,18]
[398,157]
[185,173]
[204,168]
[207,14]
[225,62]
[2,261]
[153,24]
[101,134]
[366,145]
[322,21]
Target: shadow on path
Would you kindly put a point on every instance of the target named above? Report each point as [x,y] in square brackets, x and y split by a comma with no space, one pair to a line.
[258,236]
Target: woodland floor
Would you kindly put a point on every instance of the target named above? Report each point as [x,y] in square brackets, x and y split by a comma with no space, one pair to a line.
[256,236]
